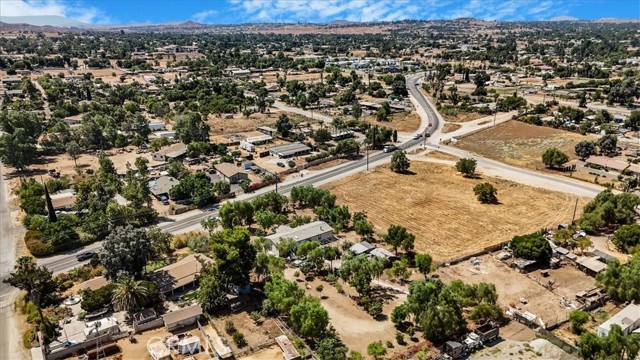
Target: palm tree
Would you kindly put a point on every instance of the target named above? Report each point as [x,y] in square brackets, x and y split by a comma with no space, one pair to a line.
[129,294]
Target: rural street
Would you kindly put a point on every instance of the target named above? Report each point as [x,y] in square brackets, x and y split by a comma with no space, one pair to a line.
[9,336]
[528,177]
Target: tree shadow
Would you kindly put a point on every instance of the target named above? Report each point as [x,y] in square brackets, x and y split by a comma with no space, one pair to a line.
[24,173]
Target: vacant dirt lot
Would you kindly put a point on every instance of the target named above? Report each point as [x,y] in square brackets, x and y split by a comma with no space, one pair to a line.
[239,123]
[520,144]
[439,207]
[270,353]
[512,285]
[356,328]
[402,122]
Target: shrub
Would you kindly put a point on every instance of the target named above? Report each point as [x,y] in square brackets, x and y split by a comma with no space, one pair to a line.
[238,338]
[400,338]
[578,318]
[319,156]
[93,300]
[27,339]
[229,327]
[35,245]
[339,288]
[319,288]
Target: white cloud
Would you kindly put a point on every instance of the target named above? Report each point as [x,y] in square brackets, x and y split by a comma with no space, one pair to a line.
[203,15]
[564,18]
[53,8]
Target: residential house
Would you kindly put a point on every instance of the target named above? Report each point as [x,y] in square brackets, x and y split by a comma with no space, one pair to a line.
[157,126]
[64,200]
[318,231]
[172,152]
[231,172]
[180,274]
[160,187]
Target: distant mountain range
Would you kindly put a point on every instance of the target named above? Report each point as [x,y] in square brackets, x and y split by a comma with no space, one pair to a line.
[60,23]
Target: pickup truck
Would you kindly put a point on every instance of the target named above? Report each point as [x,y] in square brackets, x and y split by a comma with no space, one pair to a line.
[473,341]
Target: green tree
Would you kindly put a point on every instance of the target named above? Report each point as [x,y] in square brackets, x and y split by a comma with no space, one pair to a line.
[398,236]
[554,157]
[129,295]
[74,151]
[627,238]
[322,136]
[17,149]
[486,193]
[376,350]
[578,318]
[585,148]
[356,110]
[197,148]
[615,345]
[30,195]
[212,290]
[399,162]
[633,121]
[621,281]
[347,147]
[363,228]
[37,282]
[308,318]
[608,144]
[331,348]
[234,254]
[125,252]
[284,125]
[532,246]
[467,167]
[191,127]
[424,263]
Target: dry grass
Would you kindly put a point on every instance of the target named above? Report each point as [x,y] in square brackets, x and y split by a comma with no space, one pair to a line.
[520,144]
[239,123]
[439,207]
[447,128]
[435,154]
[402,122]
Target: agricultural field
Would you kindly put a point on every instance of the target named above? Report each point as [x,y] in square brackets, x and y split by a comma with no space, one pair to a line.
[520,144]
[439,207]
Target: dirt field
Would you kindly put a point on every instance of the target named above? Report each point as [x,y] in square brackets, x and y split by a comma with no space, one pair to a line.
[270,353]
[439,207]
[239,123]
[520,144]
[139,350]
[356,328]
[448,127]
[402,122]
[512,285]
[534,350]
[254,334]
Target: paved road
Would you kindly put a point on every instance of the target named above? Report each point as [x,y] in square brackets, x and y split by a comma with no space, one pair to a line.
[520,175]
[9,337]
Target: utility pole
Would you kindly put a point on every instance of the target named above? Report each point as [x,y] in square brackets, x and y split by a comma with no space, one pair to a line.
[575,208]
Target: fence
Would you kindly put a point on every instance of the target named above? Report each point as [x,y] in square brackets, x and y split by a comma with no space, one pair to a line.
[146,326]
[565,346]
[484,251]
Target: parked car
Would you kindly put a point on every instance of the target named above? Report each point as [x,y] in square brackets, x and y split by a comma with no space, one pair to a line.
[280,163]
[417,136]
[85,255]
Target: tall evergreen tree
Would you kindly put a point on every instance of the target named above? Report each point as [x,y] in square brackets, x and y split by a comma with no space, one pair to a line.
[51,212]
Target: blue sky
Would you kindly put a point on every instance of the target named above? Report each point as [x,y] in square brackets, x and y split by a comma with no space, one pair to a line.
[243,11]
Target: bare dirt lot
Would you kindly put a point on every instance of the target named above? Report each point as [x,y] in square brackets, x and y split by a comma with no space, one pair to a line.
[270,353]
[356,328]
[520,144]
[402,122]
[439,207]
[239,123]
[513,286]
[448,127]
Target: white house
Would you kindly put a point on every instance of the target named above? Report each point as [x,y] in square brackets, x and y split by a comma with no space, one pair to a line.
[628,319]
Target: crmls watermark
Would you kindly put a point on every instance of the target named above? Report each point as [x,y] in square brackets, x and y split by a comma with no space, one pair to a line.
[175,343]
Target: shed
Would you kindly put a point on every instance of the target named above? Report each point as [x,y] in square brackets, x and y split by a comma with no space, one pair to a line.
[231,172]
[383,254]
[523,265]
[590,265]
[188,345]
[183,317]
[159,351]
[290,352]
[289,150]
[361,248]
[603,256]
